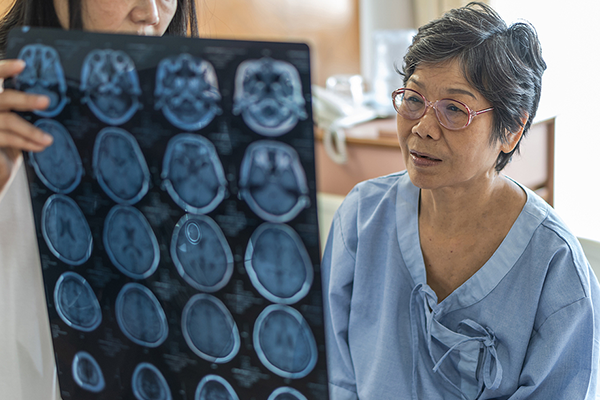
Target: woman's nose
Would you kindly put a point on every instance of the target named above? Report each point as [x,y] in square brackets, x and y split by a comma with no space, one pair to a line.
[145,12]
[428,125]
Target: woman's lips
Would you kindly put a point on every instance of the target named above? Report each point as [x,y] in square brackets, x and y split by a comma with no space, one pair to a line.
[423,159]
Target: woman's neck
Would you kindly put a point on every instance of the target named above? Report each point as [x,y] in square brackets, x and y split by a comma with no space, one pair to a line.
[456,210]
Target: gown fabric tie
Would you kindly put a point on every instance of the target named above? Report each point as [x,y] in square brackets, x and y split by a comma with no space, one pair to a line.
[423,304]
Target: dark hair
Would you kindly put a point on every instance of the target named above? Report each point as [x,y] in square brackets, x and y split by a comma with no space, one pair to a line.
[41,13]
[503,63]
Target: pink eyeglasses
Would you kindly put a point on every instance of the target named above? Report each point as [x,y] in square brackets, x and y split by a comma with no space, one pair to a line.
[452,114]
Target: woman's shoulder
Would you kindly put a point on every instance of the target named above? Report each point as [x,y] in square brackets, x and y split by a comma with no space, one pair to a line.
[372,192]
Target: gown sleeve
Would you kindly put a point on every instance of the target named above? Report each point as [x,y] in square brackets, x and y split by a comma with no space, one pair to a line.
[337,268]
[562,356]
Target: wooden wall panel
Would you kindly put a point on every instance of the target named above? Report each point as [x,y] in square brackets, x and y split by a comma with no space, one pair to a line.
[330,27]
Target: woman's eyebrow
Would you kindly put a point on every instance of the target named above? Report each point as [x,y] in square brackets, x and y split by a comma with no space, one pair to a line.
[461,91]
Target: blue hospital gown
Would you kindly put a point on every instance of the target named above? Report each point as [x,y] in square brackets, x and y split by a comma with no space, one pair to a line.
[525,326]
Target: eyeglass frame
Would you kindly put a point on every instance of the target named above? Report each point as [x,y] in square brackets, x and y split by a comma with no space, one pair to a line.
[428,104]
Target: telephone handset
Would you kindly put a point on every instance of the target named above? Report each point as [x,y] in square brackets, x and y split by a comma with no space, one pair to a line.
[334,113]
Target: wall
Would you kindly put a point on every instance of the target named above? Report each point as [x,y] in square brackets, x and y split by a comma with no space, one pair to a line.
[330,27]
[570,37]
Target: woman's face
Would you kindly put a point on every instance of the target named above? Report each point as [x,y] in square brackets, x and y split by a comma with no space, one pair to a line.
[436,157]
[141,17]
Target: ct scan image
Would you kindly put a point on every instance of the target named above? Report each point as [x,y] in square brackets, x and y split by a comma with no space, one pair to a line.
[59,166]
[110,85]
[140,316]
[278,264]
[76,302]
[119,166]
[214,387]
[193,174]
[273,182]
[284,342]
[176,215]
[87,373]
[209,329]
[43,74]
[65,230]
[187,91]
[148,383]
[130,242]
[268,95]
[201,253]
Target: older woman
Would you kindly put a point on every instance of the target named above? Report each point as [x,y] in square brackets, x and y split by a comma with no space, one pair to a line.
[450,280]
[27,370]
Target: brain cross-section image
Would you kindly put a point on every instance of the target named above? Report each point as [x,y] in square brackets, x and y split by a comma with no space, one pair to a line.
[140,316]
[130,242]
[273,182]
[59,165]
[76,303]
[187,91]
[119,166]
[110,86]
[87,373]
[43,74]
[65,230]
[148,383]
[209,329]
[286,393]
[193,174]
[213,387]
[284,342]
[268,95]
[278,264]
[201,253]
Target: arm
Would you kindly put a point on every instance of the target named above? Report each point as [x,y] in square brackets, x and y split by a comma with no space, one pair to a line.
[338,276]
[562,359]
[16,134]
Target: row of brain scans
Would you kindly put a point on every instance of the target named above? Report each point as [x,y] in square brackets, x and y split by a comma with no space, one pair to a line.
[148,383]
[272,180]
[268,92]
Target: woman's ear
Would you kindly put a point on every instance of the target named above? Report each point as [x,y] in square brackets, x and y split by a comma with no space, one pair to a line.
[513,138]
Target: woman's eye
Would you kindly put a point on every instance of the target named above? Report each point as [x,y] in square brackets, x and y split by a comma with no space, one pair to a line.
[413,99]
[453,108]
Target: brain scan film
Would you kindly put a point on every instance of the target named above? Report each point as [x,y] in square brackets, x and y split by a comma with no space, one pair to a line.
[213,387]
[268,95]
[278,264]
[209,329]
[273,182]
[201,253]
[59,165]
[148,383]
[76,302]
[140,316]
[284,342]
[286,393]
[130,242]
[87,373]
[66,230]
[119,166]
[193,174]
[187,91]
[110,86]
[43,74]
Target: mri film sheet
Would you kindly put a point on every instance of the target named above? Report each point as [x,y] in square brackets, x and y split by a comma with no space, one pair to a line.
[176,216]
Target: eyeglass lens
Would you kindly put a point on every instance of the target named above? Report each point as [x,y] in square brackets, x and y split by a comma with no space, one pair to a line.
[452,114]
